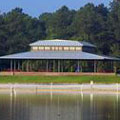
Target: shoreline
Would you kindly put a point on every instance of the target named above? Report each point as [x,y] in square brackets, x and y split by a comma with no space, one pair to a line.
[60,88]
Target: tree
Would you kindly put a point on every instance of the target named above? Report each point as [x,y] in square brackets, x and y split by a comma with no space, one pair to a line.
[21,31]
[114,27]
[96,24]
[58,23]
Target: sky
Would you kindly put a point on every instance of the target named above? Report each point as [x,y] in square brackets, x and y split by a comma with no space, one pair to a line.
[37,7]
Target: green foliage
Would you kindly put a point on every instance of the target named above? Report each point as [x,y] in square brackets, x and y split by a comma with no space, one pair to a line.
[57,24]
[96,24]
[18,30]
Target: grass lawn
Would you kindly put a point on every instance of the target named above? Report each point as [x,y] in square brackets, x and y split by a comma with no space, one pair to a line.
[59,79]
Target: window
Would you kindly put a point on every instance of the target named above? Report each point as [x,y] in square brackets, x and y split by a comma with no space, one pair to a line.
[78,48]
[47,48]
[53,48]
[56,48]
[60,48]
[72,48]
[41,48]
[35,48]
[66,48]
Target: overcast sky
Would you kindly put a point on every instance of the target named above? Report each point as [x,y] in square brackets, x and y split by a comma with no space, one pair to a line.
[36,7]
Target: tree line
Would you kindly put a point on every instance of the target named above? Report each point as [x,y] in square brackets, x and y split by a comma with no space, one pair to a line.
[99,25]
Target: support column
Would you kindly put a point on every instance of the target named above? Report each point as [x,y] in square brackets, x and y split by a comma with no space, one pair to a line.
[22,65]
[14,65]
[27,66]
[58,65]
[78,69]
[62,65]
[47,66]
[54,66]
[30,66]
[112,66]
[18,65]
[11,65]
[95,66]
[71,66]
[115,68]
[81,67]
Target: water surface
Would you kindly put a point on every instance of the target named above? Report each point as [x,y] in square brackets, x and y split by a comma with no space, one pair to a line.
[59,107]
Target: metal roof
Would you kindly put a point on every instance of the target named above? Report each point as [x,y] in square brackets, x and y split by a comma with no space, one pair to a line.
[78,55]
[58,42]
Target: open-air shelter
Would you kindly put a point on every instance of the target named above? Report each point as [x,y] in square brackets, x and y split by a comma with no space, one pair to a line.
[54,55]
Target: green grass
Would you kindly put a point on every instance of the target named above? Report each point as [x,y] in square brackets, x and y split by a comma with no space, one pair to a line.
[59,79]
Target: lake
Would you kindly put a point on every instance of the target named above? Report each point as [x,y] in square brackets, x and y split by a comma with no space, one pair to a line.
[45,106]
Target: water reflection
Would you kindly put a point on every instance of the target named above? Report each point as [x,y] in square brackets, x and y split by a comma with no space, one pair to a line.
[59,107]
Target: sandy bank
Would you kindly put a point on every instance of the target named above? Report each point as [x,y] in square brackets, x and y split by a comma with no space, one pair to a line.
[60,88]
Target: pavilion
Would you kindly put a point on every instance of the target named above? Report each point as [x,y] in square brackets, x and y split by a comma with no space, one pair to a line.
[55,55]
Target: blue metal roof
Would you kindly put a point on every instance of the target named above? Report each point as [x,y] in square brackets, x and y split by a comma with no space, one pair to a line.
[58,42]
[78,55]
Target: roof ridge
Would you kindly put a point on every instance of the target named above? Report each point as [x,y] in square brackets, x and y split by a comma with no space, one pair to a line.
[60,42]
